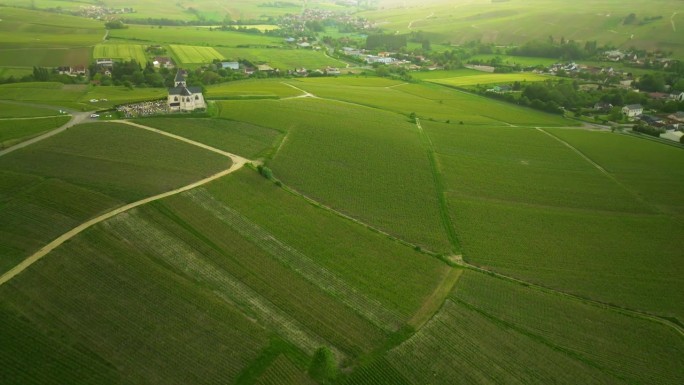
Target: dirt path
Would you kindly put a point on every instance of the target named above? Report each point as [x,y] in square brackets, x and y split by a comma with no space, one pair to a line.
[674,26]
[434,301]
[305,94]
[410,25]
[237,163]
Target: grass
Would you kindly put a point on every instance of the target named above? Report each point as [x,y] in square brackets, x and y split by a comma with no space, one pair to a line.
[15,131]
[58,182]
[357,178]
[195,54]
[240,138]
[121,51]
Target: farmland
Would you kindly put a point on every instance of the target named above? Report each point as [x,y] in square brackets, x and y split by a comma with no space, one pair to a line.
[120,51]
[22,28]
[533,337]
[524,185]
[193,55]
[14,131]
[384,226]
[356,178]
[491,79]
[189,36]
[56,184]
[240,138]
[511,23]
[284,59]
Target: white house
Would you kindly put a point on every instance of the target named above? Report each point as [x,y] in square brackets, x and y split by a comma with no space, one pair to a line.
[632,110]
[677,96]
[162,61]
[183,98]
[232,65]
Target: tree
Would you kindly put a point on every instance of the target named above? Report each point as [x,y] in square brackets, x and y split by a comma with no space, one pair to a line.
[323,367]
[426,45]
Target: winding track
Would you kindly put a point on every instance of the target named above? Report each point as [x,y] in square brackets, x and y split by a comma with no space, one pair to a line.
[237,163]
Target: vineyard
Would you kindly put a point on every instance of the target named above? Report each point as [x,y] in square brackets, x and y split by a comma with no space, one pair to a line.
[121,51]
[57,184]
[240,138]
[14,131]
[193,54]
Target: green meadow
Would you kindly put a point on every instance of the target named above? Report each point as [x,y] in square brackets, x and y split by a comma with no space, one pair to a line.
[189,36]
[193,55]
[473,80]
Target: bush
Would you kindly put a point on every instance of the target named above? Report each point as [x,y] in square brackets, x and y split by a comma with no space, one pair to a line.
[323,367]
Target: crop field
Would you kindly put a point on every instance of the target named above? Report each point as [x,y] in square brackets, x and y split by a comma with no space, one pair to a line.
[190,36]
[532,338]
[22,28]
[430,102]
[44,57]
[356,178]
[284,59]
[121,51]
[523,61]
[16,72]
[283,372]
[512,23]
[12,110]
[15,131]
[651,171]
[387,272]
[524,185]
[194,55]
[251,88]
[76,96]
[240,138]
[112,317]
[473,80]
[58,182]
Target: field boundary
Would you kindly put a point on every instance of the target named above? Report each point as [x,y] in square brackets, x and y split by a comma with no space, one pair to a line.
[458,260]
[439,186]
[237,163]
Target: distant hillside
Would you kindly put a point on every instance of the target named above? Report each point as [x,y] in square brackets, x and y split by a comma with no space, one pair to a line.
[647,25]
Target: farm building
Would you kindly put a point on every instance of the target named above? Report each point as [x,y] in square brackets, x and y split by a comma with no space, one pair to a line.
[632,110]
[233,65]
[182,98]
[162,61]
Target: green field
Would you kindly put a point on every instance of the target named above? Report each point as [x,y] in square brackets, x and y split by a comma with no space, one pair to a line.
[532,338]
[56,184]
[240,138]
[22,28]
[513,23]
[428,102]
[44,57]
[193,55]
[121,51]
[284,59]
[462,81]
[17,110]
[356,178]
[251,89]
[15,131]
[76,96]
[190,36]
[540,197]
